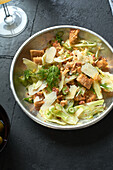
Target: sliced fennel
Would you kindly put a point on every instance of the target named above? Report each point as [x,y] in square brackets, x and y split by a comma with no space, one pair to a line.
[106,82]
[85,45]
[60,59]
[33,89]
[59,112]
[61,82]
[44,59]
[67,80]
[48,101]
[89,109]
[72,91]
[67,45]
[97,89]
[80,91]
[89,112]
[30,64]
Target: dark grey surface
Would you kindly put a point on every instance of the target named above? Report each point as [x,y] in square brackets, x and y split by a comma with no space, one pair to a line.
[31,146]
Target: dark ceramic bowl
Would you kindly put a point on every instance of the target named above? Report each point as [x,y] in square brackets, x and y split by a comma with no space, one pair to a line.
[4,118]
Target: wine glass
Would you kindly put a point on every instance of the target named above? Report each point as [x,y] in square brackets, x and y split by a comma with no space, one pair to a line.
[13,20]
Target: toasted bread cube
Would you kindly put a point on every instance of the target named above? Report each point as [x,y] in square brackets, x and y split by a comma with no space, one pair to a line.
[37,60]
[85,81]
[73,36]
[36,53]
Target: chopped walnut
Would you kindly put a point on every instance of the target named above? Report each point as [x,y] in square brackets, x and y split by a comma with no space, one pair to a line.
[63,102]
[55,90]
[73,36]
[38,104]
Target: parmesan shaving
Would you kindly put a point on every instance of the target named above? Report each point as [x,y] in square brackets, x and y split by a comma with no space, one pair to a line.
[89,70]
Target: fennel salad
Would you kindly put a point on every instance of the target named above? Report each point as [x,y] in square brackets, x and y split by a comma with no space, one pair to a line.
[65,81]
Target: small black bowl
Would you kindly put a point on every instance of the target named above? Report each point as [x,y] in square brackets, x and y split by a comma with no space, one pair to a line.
[4,118]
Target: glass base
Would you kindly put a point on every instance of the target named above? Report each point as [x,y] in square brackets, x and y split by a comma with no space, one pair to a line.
[19,24]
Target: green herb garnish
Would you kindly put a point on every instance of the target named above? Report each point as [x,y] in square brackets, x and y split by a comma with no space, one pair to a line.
[104,86]
[51,75]
[27,74]
[29,99]
[92,90]
[59,36]
[42,73]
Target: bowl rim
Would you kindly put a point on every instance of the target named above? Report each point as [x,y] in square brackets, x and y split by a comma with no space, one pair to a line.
[34,118]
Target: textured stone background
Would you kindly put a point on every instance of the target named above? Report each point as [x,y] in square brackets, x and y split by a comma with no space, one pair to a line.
[31,146]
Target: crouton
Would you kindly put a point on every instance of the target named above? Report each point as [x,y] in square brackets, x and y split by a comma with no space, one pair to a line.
[55,90]
[102,64]
[73,36]
[37,60]
[79,98]
[38,104]
[85,81]
[36,53]
[57,45]
[59,98]
[63,102]
[40,94]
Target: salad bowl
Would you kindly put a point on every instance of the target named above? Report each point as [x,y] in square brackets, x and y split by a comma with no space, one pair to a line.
[39,41]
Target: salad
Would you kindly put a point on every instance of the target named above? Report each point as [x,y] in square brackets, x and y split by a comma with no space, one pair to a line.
[65,81]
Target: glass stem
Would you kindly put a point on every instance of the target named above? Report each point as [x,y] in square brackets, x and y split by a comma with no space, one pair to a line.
[6,10]
[9,19]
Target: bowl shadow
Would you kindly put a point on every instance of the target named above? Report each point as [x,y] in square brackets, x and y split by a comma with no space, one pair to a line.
[86,136]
